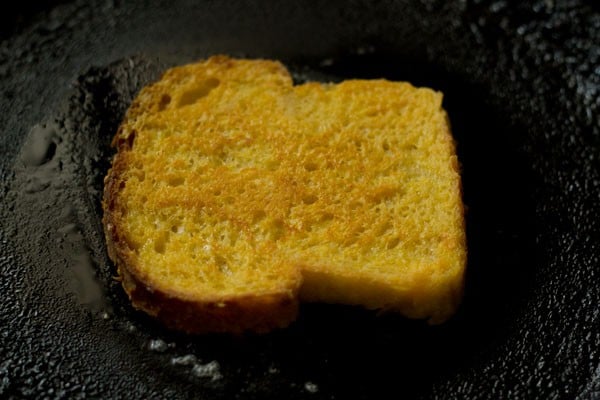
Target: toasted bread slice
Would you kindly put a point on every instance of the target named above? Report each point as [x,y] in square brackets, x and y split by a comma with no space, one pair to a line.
[234,194]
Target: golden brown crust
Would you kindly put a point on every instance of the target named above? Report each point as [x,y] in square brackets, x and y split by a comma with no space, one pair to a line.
[234,315]
[257,313]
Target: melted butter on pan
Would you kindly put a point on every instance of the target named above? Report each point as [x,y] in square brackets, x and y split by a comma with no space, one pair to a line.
[81,273]
[45,169]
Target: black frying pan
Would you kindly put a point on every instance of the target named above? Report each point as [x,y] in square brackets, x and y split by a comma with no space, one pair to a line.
[522,88]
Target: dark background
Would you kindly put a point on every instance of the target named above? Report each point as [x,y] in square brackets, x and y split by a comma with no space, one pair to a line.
[521,84]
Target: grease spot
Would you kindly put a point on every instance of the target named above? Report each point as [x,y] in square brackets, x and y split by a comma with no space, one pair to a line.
[40,145]
[81,273]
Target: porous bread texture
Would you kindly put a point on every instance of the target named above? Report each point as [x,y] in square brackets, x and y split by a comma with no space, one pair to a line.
[234,194]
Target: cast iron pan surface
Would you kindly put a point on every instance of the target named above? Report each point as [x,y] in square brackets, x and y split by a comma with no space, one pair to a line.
[522,89]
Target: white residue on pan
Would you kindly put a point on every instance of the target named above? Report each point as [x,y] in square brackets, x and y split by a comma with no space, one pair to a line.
[210,370]
[311,387]
[157,345]
[188,359]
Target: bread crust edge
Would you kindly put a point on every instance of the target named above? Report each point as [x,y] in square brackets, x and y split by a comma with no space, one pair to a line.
[258,313]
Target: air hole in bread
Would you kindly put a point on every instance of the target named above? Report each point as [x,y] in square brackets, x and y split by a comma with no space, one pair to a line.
[309,199]
[258,216]
[127,143]
[350,240]
[233,237]
[383,193]
[160,244]
[384,228]
[131,140]
[276,229]
[385,145]
[222,265]
[393,243]
[176,181]
[165,100]
[310,166]
[141,175]
[325,218]
[196,93]
[355,205]
[272,165]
